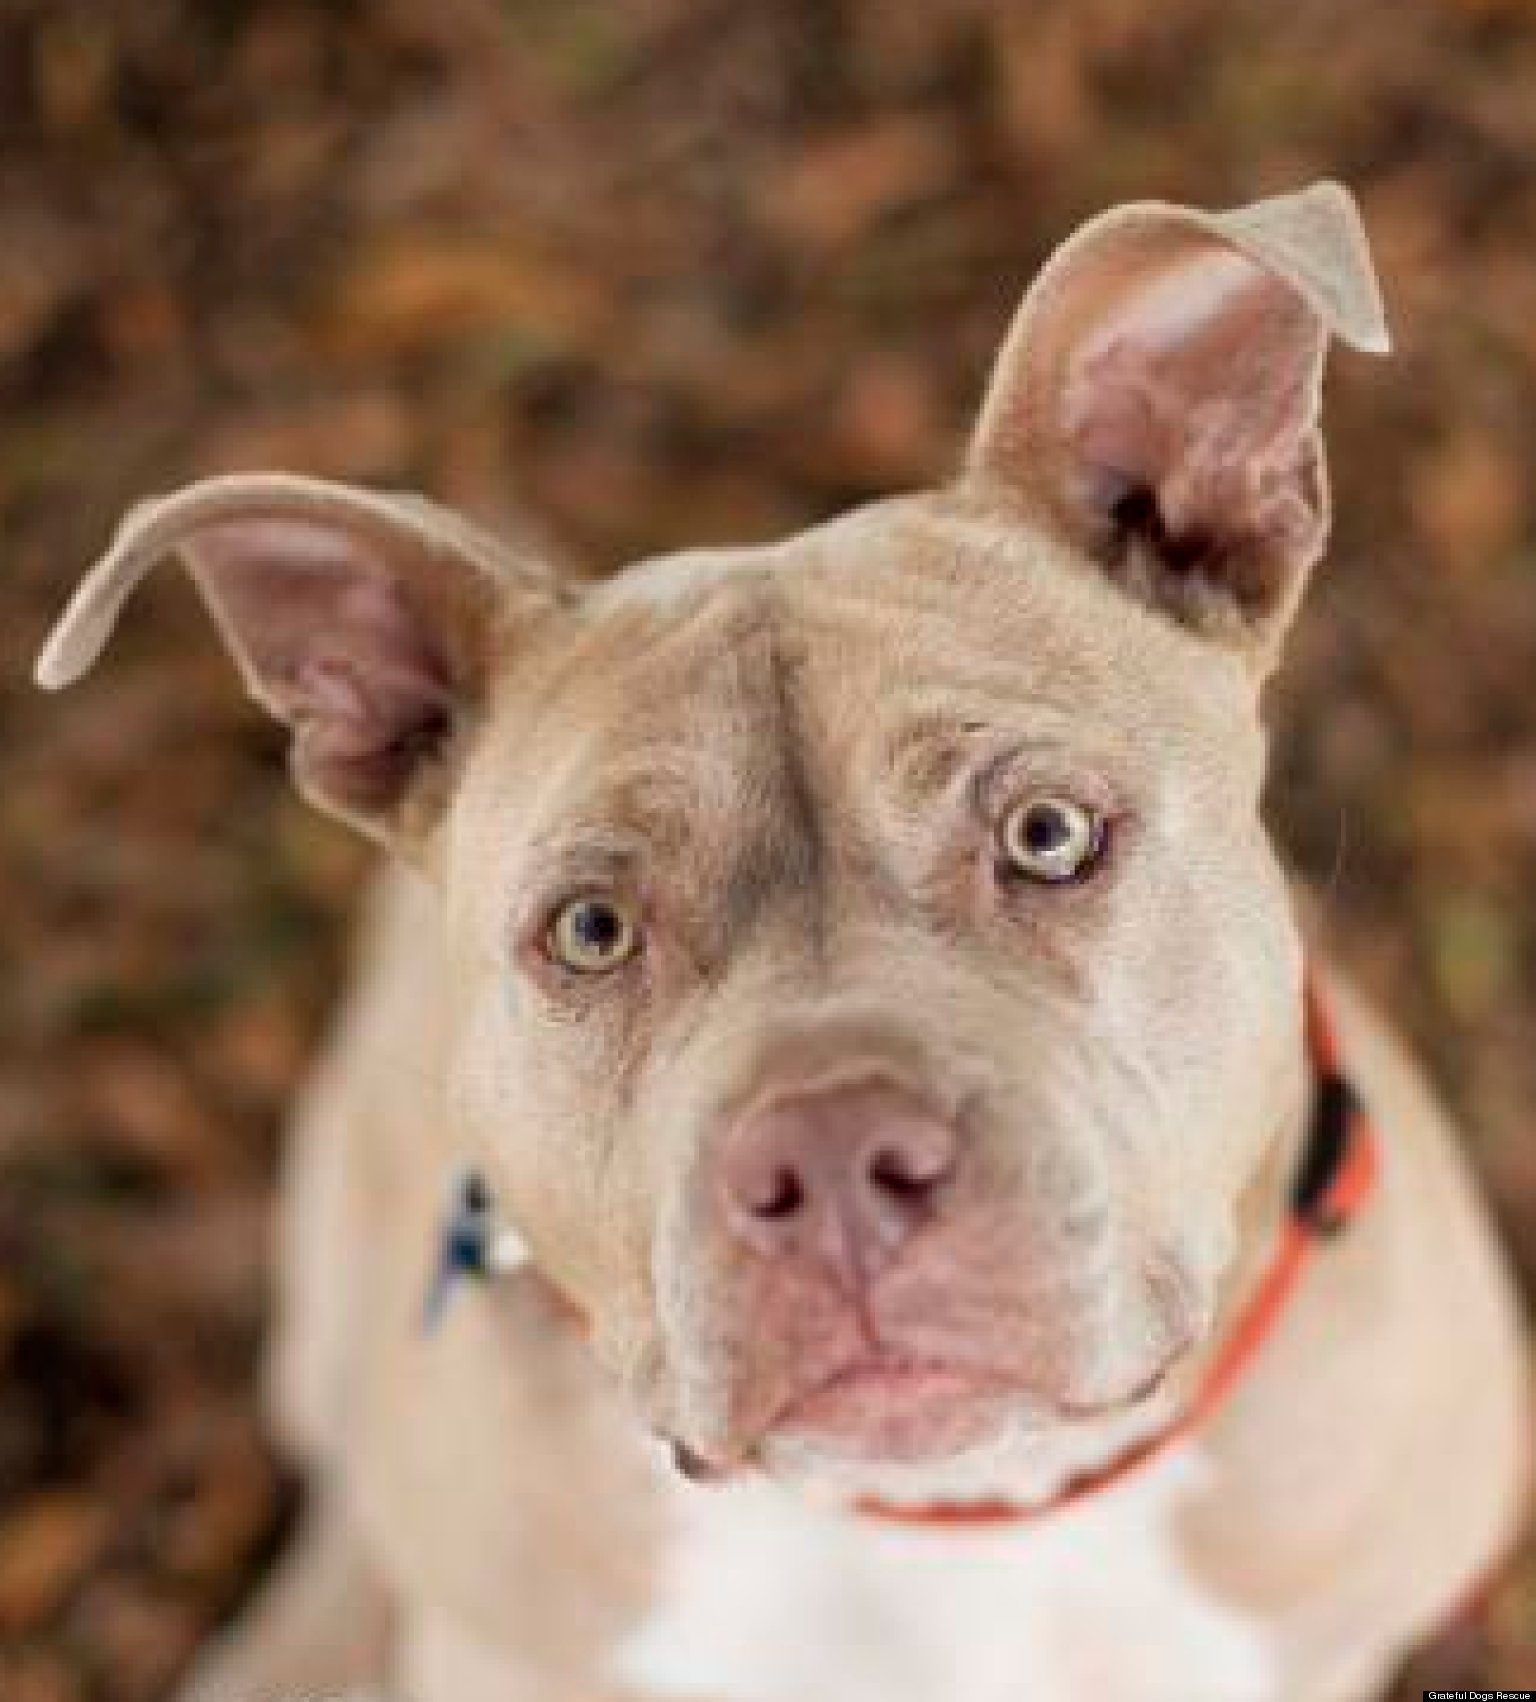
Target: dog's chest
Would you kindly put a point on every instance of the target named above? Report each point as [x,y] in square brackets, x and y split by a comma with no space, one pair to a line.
[764,1599]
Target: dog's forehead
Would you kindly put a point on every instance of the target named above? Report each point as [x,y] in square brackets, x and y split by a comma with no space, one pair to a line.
[907,617]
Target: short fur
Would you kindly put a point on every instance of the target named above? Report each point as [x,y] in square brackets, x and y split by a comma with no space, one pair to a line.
[791,761]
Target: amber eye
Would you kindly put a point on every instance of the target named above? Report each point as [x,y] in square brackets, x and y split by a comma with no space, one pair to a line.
[1051,839]
[592,934]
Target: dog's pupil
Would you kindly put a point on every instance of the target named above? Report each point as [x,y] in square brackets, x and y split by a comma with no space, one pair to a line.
[597,925]
[1045,830]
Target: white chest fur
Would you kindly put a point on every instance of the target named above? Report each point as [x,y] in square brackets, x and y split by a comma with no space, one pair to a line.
[767,1599]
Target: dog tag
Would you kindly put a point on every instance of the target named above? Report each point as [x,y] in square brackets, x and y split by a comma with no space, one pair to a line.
[464,1244]
[472,1242]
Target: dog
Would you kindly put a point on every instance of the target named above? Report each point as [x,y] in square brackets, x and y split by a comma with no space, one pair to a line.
[941,1228]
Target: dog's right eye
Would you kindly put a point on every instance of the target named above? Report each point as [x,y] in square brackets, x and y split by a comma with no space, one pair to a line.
[592,934]
[1052,840]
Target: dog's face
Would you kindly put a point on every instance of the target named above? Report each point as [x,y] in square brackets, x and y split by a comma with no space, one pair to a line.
[875,997]
[877,989]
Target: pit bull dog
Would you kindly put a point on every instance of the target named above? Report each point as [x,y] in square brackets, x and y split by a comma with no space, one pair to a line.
[955,1237]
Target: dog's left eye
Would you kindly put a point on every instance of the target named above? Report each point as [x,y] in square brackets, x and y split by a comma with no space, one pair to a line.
[1051,839]
[592,934]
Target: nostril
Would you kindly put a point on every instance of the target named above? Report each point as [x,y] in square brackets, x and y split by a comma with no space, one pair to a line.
[782,1196]
[906,1174]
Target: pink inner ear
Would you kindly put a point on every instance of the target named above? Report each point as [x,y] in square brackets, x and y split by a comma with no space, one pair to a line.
[328,635]
[1197,394]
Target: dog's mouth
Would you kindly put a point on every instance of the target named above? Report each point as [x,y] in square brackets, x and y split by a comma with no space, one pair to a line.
[892,1406]
[951,1359]
[895,1408]
[882,1407]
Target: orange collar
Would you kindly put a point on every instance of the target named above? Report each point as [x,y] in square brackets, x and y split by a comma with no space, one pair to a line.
[1334,1179]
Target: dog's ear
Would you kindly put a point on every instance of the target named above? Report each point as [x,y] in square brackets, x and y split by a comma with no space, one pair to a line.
[365,622]
[1156,400]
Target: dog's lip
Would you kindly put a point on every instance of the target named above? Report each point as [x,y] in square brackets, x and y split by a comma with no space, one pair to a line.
[889,1374]
[835,1400]
[1113,1405]
[836,1405]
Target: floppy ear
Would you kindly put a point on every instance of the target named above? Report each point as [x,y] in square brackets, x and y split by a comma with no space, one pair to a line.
[365,622]
[1156,400]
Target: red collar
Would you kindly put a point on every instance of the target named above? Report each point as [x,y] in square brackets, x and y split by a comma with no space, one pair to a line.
[1333,1181]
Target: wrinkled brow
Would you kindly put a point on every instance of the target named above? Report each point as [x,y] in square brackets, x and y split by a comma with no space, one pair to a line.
[651,801]
[731,827]
[589,851]
[922,755]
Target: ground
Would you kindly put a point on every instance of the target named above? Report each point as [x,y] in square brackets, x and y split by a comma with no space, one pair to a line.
[677,270]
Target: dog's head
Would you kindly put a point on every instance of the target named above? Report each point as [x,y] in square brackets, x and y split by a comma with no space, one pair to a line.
[875,997]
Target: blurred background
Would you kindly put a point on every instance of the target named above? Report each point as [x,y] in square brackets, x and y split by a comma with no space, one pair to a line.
[661,272]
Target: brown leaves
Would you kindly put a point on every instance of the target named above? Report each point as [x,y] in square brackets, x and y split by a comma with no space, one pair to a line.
[431,291]
[835,189]
[1469,499]
[661,273]
[47,1546]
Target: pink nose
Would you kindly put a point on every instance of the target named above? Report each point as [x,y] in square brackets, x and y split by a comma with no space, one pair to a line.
[842,1177]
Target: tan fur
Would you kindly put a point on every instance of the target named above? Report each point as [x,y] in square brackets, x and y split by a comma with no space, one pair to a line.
[777,755]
